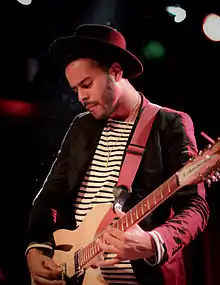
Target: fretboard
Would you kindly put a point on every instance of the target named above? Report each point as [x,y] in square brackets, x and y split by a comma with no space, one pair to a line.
[132,217]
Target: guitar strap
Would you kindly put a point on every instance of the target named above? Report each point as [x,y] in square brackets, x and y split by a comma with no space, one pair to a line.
[136,148]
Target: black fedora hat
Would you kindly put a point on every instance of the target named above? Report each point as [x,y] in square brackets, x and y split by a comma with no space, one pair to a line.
[95,40]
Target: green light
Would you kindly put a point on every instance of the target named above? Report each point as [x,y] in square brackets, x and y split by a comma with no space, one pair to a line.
[154,50]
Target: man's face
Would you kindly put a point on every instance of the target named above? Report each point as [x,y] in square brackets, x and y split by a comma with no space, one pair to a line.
[97,89]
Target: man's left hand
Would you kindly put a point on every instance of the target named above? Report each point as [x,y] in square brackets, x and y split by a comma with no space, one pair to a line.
[133,244]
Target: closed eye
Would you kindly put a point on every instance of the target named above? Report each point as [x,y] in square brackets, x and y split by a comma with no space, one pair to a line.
[86,86]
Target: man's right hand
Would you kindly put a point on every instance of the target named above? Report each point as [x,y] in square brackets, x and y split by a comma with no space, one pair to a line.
[43,269]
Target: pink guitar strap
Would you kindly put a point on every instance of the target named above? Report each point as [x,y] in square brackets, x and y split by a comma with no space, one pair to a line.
[136,148]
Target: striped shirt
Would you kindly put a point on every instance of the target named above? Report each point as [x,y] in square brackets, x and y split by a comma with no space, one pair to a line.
[97,187]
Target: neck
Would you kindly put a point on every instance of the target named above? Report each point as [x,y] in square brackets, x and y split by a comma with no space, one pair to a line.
[128,104]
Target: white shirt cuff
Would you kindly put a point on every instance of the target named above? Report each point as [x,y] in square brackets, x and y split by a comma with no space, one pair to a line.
[39,246]
[159,245]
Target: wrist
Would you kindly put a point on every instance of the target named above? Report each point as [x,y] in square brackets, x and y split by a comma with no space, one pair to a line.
[32,251]
[39,248]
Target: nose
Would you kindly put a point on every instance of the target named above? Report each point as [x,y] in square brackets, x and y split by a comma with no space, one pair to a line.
[82,96]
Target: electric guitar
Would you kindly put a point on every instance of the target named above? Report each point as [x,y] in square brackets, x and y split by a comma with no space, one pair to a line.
[76,249]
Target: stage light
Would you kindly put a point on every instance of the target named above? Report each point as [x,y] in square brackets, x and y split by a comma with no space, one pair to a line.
[211,27]
[25,2]
[154,50]
[178,13]
[16,108]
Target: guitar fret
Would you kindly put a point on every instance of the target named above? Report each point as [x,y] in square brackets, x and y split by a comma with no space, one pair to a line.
[136,213]
[161,193]
[126,222]
[142,208]
[168,186]
[122,225]
[132,221]
[89,252]
[83,255]
[148,204]
[86,255]
[96,248]
[154,196]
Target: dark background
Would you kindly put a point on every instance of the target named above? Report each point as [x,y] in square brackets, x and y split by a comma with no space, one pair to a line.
[35,112]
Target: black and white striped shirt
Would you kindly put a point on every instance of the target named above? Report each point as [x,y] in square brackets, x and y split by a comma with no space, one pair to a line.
[98,183]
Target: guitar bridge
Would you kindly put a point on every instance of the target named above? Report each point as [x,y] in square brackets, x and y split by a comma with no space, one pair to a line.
[64,271]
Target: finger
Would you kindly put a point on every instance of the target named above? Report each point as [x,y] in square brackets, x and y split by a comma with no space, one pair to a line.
[50,264]
[119,213]
[116,233]
[108,262]
[49,274]
[115,241]
[38,280]
[98,258]
[108,248]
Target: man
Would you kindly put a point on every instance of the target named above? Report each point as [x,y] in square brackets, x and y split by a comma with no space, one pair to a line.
[98,68]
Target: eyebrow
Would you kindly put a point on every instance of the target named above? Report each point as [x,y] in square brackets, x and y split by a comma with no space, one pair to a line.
[80,83]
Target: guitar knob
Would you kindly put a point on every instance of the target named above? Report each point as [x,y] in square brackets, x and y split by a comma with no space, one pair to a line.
[208,181]
[191,158]
[214,178]
[217,174]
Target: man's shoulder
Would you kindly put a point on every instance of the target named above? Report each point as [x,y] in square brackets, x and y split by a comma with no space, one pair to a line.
[81,118]
[171,114]
[84,115]
[168,117]
[85,121]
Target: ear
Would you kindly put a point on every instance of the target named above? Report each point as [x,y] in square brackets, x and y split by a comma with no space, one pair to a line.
[116,71]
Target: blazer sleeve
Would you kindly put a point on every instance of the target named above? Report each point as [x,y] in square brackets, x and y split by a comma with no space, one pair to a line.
[41,223]
[189,205]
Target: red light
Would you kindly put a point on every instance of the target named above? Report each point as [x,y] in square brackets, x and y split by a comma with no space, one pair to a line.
[16,108]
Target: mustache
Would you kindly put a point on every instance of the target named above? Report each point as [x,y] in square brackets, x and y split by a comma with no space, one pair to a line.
[89,103]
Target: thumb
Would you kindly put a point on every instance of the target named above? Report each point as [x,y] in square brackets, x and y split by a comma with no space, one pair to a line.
[119,213]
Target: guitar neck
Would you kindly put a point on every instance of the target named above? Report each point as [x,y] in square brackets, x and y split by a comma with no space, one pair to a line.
[148,204]
[133,216]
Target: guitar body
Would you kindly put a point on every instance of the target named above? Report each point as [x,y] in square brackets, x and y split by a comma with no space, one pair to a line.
[94,223]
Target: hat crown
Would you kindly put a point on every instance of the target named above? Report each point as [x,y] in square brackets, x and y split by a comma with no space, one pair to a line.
[96,40]
[102,33]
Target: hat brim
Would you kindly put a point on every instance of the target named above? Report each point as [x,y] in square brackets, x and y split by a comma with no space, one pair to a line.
[64,49]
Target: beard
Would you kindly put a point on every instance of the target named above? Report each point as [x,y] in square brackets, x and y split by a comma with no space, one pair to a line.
[109,97]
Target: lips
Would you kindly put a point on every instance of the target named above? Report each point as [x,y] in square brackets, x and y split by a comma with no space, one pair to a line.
[90,107]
